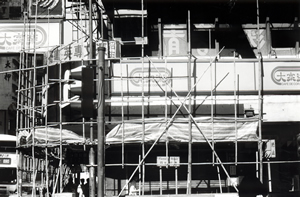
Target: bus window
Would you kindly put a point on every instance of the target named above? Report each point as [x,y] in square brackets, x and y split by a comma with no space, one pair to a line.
[8,175]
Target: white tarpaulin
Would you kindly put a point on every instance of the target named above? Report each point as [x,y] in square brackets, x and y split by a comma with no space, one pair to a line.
[222,129]
[51,135]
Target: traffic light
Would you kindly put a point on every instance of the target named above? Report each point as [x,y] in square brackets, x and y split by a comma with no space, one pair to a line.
[87,90]
[78,90]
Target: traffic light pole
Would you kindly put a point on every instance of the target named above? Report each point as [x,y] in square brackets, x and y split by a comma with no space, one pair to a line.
[100,122]
[92,152]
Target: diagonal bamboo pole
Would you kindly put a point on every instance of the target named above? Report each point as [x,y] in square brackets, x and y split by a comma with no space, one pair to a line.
[162,133]
[194,121]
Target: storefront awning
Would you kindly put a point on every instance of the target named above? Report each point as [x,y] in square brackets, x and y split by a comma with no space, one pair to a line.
[218,129]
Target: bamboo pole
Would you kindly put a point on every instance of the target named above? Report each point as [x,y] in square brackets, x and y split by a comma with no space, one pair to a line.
[219,177]
[189,177]
[60,127]
[128,107]
[20,99]
[176,180]
[235,109]
[143,96]
[160,180]
[122,110]
[91,151]
[160,53]
[33,101]
[259,98]
[269,177]
[212,99]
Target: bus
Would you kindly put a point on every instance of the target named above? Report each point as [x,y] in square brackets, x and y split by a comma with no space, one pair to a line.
[8,164]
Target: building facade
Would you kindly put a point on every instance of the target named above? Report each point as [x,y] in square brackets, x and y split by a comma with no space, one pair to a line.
[197,95]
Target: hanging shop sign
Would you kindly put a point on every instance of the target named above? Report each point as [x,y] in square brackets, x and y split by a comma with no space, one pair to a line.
[17,37]
[158,77]
[78,51]
[46,8]
[263,43]
[70,52]
[175,40]
[112,49]
[282,76]
[270,151]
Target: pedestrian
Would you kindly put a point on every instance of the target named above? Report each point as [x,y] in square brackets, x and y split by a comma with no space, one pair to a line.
[251,186]
[86,188]
[79,189]
[133,191]
[70,186]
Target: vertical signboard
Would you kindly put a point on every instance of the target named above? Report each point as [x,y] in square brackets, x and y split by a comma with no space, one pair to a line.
[175,40]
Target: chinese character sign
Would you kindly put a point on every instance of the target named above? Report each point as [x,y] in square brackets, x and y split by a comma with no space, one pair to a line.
[16,37]
[286,75]
[74,51]
[175,40]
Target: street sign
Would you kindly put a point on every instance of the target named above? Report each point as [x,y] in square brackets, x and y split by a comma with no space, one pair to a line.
[174,161]
[162,161]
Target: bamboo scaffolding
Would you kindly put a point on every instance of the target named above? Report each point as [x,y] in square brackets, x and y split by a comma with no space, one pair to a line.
[31,111]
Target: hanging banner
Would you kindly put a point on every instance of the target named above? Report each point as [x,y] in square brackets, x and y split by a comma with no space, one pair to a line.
[46,8]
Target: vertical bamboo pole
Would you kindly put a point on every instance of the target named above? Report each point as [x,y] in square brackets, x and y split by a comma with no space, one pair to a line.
[91,151]
[61,41]
[140,176]
[160,54]
[259,98]
[60,127]
[92,185]
[189,178]
[171,95]
[166,94]
[143,104]
[122,110]
[269,176]
[256,164]
[128,107]
[45,107]
[176,180]
[33,101]
[212,88]
[20,99]
[160,180]
[235,108]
